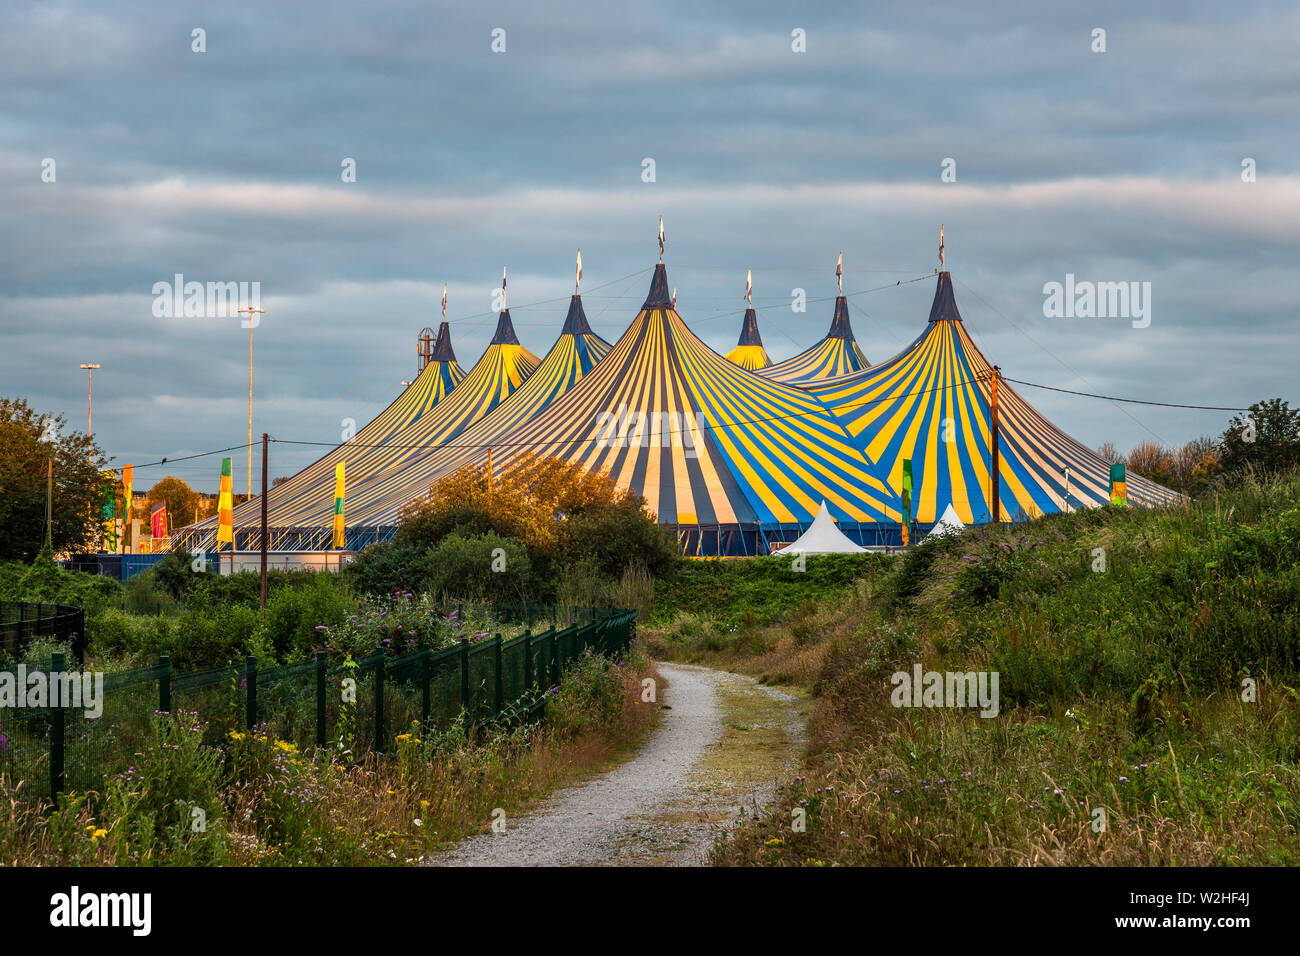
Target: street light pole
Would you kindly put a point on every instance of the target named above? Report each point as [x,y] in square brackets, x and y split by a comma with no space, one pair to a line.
[90,372]
[252,324]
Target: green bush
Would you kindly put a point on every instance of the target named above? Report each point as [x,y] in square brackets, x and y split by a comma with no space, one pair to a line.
[485,567]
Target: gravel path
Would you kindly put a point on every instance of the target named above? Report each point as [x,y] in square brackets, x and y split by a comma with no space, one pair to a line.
[722,742]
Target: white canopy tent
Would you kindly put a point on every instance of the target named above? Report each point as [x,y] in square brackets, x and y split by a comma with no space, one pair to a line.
[822,537]
[948,523]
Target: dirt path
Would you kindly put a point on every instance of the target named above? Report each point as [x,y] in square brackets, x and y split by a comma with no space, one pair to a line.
[723,742]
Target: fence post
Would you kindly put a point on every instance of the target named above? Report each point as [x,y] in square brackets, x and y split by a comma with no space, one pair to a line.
[555,659]
[250,679]
[165,683]
[425,702]
[499,672]
[530,678]
[57,665]
[464,678]
[320,699]
[379,703]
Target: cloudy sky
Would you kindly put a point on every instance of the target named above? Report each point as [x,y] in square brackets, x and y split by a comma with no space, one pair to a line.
[226,165]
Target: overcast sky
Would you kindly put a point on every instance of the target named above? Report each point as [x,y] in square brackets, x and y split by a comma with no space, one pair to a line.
[225,165]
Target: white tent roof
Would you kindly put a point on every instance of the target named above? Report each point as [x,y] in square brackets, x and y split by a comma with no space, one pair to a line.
[822,537]
[948,523]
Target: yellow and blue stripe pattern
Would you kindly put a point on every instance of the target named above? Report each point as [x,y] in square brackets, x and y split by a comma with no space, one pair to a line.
[836,354]
[931,405]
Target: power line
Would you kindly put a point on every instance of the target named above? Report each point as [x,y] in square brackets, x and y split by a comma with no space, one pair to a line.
[1131,401]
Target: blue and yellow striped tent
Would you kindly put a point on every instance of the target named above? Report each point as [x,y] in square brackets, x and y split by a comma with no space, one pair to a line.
[293,507]
[749,353]
[375,504]
[931,404]
[836,354]
[443,360]
[731,460]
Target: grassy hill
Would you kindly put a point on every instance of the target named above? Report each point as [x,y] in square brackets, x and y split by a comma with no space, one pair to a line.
[1147,666]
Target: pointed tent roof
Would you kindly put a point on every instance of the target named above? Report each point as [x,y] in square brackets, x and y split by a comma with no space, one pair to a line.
[822,537]
[417,400]
[379,500]
[836,354]
[948,524]
[749,353]
[503,367]
[449,372]
[705,442]
[897,411]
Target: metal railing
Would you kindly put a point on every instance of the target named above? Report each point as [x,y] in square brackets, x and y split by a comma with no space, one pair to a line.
[20,621]
[353,706]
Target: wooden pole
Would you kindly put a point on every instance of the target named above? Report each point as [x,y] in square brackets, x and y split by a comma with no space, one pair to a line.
[997,509]
[265,442]
[49,505]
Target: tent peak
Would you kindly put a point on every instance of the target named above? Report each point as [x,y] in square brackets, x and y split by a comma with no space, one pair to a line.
[944,306]
[575,323]
[749,330]
[659,297]
[442,351]
[840,326]
[505,334]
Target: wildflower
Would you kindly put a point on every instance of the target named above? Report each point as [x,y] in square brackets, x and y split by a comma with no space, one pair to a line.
[775,841]
[98,835]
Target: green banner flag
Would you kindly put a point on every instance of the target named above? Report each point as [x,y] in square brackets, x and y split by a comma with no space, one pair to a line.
[907,499]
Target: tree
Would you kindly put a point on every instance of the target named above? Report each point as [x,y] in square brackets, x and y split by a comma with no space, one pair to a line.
[1153,461]
[1268,437]
[1107,452]
[181,500]
[28,441]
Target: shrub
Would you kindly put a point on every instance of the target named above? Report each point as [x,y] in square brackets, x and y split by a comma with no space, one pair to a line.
[484,567]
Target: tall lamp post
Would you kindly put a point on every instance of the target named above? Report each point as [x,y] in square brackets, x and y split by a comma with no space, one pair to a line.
[252,324]
[90,373]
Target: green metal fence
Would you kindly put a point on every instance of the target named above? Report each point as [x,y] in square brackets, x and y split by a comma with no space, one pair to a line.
[367,702]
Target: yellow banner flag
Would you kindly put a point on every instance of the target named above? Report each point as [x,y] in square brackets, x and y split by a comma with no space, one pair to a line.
[225,507]
[338,506]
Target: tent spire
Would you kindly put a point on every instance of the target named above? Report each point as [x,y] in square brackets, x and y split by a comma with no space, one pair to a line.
[442,345]
[503,288]
[661,237]
[941,247]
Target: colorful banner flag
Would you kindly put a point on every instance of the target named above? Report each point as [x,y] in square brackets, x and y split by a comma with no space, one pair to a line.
[338,506]
[225,507]
[158,520]
[907,500]
[128,479]
[1118,485]
[839,273]
[749,285]
[108,509]
[577,283]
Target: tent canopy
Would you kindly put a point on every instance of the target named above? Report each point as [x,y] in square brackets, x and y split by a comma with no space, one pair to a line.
[822,537]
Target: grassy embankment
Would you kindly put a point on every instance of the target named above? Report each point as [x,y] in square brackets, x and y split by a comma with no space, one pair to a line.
[1123,736]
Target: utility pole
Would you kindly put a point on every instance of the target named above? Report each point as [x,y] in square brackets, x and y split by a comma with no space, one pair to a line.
[252,324]
[265,442]
[997,509]
[90,373]
[49,505]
